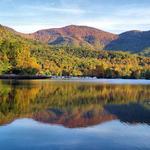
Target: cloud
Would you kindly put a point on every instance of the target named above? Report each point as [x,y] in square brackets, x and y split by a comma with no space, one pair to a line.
[30,28]
[111,17]
[121,19]
[55,9]
[17,15]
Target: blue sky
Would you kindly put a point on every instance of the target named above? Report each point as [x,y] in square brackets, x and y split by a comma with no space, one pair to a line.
[111,15]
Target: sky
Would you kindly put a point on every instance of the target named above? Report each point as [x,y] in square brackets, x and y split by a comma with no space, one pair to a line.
[115,16]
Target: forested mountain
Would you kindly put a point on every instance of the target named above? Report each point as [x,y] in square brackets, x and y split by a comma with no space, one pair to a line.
[132,41]
[21,55]
[74,35]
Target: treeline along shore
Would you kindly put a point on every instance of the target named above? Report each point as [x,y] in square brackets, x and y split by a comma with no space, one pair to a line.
[24,77]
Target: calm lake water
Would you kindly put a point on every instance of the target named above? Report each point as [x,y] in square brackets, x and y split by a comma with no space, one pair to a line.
[75,115]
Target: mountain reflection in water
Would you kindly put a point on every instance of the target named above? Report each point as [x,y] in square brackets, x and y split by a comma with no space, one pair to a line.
[73,104]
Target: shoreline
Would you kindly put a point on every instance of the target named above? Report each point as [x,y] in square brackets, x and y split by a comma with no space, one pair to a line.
[38,77]
[24,77]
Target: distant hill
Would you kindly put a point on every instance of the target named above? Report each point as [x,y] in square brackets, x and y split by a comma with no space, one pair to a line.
[133,41]
[74,35]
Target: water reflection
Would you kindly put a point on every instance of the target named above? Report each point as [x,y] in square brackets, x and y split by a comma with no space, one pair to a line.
[73,104]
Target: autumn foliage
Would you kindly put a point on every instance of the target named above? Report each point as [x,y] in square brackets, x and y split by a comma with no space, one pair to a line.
[19,55]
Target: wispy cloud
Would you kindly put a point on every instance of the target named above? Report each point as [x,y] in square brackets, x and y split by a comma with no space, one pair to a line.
[17,15]
[30,28]
[109,15]
[54,9]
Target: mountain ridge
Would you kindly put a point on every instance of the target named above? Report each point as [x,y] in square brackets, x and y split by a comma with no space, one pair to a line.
[74,35]
[134,41]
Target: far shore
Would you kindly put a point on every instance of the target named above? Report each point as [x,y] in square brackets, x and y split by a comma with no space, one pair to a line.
[36,77]
[24,77]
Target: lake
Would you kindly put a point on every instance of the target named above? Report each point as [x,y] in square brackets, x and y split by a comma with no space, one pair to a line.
[75,114]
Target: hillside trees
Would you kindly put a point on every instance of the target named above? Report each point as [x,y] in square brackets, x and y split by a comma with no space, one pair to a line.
[16,58]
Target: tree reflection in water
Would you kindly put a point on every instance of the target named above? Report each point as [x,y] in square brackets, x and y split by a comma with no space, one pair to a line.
[73,104]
